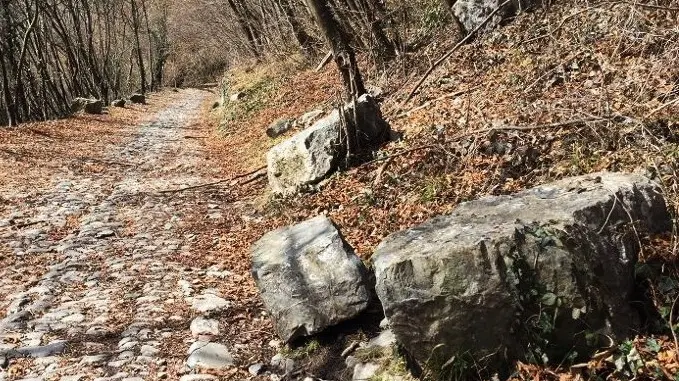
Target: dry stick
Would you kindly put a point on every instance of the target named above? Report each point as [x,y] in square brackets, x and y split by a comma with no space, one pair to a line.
[483,131]
[450,53]
[215,182]
[27,224]
[380,172]
[428,103]
[561,24]
[324,61]
[666,105]
[674,333]
[648,6]
[550,71]
[255,178]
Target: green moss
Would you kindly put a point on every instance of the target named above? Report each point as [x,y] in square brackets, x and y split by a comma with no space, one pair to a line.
[257,96]
[392,364]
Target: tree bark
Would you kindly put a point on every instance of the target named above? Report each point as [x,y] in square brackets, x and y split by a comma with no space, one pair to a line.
[343,53]
[244,27]
[140,55]
[304,40]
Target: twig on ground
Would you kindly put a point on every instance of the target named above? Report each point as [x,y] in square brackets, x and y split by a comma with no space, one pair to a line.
[491,129]
[195,137]
[552,70]
[429,103]
[551,32]
[608,218]
[12,153]
[27,224]
[662,107]
[326,59]
[218,182]
[253,179]
[651,6]
[106,162]
[451,52]
[380,172]
[674,333]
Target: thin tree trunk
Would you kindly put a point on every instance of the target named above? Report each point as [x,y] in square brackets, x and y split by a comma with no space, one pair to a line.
[344,54]
[140,55]
[304,40]
[243,25]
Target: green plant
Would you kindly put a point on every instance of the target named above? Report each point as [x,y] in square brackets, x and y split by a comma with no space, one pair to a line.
[256,97]
[432,189]
[627,360]
[434,16]
[302,352]
[460,366]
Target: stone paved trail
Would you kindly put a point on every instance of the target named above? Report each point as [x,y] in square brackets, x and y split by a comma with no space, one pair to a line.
[109,299]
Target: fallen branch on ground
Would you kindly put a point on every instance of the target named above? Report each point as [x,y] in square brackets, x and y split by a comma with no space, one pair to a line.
[324,61]
[451,52]
[463,135]
[662,107]
[428,103]
[27,224]
[219,182]
[650,6]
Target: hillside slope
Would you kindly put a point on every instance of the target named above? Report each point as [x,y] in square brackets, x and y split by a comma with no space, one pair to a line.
[562,90]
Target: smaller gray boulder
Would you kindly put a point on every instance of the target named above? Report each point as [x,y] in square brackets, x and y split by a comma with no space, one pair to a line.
[94,107]
[119,103]
[88,106]
[309,278]
[283,363]
[201,326]
[317,152]
[472,13]
[279,127]
[138,99]
[209,356]
[235,97]
[256,369]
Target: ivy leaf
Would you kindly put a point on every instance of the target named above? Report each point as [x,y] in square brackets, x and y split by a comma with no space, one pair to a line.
[549,299]
[653,345]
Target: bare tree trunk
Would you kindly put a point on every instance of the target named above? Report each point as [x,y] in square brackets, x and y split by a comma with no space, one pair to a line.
[244,27]
[6,91]
[140,55]
[344,54]
[148,32]
[161,44]
[304,40]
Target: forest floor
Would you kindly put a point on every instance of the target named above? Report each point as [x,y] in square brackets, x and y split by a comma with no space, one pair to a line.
[112,227]
[565,90]
[102,273]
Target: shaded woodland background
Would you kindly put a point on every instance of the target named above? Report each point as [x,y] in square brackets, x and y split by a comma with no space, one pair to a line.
[52,51]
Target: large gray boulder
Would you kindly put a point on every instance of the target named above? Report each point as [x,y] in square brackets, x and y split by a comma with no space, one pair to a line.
[315,153]
[309,278]
[536,274]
